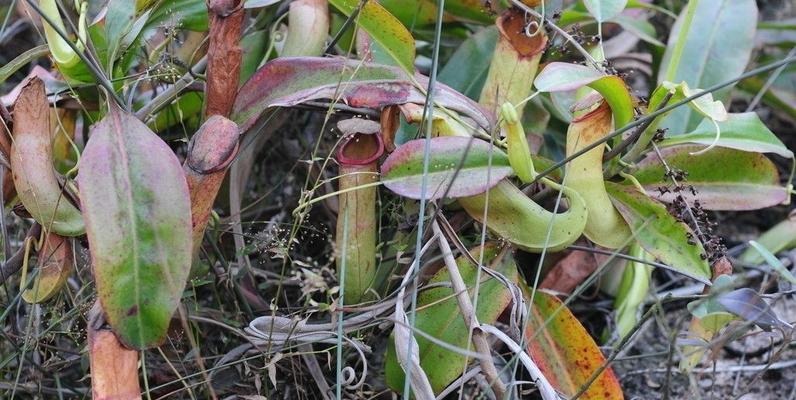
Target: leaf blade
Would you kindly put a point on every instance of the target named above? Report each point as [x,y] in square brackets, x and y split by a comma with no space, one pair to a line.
[659,233]
[383,28]
[741,131]
[706,60]
[724,178]
[402,171]
[565,352]
[137,209]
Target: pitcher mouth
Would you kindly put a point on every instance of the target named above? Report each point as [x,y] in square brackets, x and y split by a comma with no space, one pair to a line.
[360,149]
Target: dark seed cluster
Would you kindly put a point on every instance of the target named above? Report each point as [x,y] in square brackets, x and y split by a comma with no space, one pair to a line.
[693,215]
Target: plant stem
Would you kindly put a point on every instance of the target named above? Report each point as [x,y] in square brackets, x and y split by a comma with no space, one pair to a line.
[468,313]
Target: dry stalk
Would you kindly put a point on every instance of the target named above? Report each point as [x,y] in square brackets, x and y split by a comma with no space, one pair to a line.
[468,313]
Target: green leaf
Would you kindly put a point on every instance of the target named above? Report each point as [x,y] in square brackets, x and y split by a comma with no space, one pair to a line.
[659,233]
[711,42]
[438,315]
[773,261]
[565,352]
[31,159]
[414,13]
[384,29]
[781,237]
[603,10]
[138,221]
[468,67]
[183,14]
[118,22]
[639,27]
[705,105]
[470,10]
[781,100]
[724,179]
[482,167]
[743,131]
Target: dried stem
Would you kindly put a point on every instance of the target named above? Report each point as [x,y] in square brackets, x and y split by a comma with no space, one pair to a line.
[468,313]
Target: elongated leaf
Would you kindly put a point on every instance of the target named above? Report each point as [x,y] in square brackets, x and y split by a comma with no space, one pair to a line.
[413,13]
[185,14]
[468,67]
[781,100]
[290,81]
[744,131]
[747,304]
[603,10]
[724,179]
[138,220]
[659,233]
[438,315]
[639,27]
[773,261]
[402,171]
[118,22]
[710,46]
[470,10]
[32,164]
[565,352]
[54,267]
[384,29]
[781,237]
[559,77]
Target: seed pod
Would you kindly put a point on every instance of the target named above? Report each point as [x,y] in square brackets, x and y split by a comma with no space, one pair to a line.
[356,221]
[605,226]
[35,178]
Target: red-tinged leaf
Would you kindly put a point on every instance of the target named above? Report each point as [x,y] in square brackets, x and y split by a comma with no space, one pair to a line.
[566,353]
[54,266]
[34,176]
[438,315]
[138,220]
[459,165]
[289,81]
[724,178]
